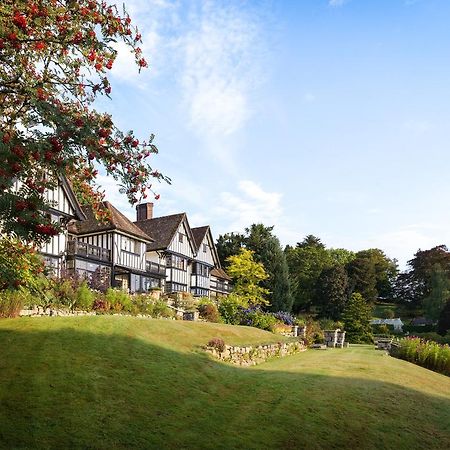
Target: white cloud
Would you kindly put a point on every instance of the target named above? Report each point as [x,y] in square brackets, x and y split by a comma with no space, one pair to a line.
[220,68]
[252,204]
[337,3]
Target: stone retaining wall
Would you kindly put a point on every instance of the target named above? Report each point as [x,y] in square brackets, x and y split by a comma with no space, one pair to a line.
[39,311]
[250,356]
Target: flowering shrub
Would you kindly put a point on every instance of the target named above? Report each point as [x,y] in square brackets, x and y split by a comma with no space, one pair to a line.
[217,343]
[424,353]
[285,317]
[254,317]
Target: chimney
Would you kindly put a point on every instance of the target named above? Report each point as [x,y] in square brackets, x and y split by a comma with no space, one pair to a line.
[144,211]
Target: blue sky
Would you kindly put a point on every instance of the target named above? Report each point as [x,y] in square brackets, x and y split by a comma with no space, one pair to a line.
[320,117]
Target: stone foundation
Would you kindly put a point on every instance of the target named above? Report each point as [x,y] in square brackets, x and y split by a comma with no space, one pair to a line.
[250,356]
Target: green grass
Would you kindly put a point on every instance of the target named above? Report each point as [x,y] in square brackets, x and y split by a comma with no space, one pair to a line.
[121,382]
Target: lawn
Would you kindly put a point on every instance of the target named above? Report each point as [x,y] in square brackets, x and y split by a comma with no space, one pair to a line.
[121,382]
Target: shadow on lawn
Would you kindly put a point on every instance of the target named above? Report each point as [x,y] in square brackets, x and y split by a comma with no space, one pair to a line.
[71,389]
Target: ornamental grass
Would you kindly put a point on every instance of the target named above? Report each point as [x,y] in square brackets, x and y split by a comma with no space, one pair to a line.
[424,353]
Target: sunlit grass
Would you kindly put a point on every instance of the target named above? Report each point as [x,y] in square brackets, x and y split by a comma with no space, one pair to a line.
[117,382]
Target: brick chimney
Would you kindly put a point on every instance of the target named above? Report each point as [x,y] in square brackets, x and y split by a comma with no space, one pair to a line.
[144,211]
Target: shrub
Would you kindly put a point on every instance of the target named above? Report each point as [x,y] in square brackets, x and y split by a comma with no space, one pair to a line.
[314,333]
[254,317]
[100,303]
[63,293]
[388,314]
[230,308]
[209,312]
[84,297]
[330,324]
[119,300]
[285,317]
[160,309]
[12,301]
[217,343]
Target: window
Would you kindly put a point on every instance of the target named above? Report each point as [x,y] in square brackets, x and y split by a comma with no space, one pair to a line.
[180,237]
[176,261]
[204,248]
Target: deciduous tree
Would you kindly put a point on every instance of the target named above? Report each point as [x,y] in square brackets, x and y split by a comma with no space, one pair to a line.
[54,57]
[247,276]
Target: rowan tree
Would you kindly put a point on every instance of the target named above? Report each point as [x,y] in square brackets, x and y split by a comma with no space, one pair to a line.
[54,57]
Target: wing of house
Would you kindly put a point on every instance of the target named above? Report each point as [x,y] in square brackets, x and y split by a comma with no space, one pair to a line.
[205,261]
[220,284]
[173,243]
[64,208]
[190,254]
[116,247]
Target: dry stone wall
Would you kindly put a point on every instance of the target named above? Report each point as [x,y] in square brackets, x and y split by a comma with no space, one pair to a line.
[250,356]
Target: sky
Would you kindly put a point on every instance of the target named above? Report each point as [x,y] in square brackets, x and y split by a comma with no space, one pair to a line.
[324,117]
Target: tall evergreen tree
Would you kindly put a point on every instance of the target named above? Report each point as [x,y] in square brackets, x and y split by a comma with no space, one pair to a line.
[267,250]
[227,245]
[331,292]
[439,293]
[443,327]
[356,316]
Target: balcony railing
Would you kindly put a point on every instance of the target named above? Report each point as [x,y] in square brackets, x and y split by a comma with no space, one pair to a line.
[220,287]
[88,250]
[152,267]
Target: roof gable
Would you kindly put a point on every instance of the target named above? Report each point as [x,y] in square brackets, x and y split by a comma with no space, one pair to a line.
[202,233]
[68,191]
[117,222]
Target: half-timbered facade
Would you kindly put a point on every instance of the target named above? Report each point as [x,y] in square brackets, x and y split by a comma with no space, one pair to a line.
[115,249]
[220,283]
[173,243]
[190,254]
[64,207]
[205,260]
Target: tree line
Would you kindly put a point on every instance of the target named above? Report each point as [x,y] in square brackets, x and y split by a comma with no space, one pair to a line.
[311,277]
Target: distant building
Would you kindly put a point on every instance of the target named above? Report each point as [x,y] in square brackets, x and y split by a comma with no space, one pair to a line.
[396,323]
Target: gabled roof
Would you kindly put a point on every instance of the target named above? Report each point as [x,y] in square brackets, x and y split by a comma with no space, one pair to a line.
[199,234]
[117,222]
[220,273]
[72,199]
[163,229]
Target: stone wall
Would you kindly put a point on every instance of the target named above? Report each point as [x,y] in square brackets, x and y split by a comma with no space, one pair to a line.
[250,356]
[39,311]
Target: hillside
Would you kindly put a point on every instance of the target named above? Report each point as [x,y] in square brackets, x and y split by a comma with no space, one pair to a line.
[122,382]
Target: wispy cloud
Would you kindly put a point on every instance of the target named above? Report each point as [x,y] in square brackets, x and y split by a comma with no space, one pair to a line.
[337,3]
[250,204]
[220,68]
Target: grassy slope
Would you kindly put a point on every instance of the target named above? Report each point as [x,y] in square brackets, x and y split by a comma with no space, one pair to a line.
[115,382]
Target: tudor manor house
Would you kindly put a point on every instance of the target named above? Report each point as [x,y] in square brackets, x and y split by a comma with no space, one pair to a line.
[149,253]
